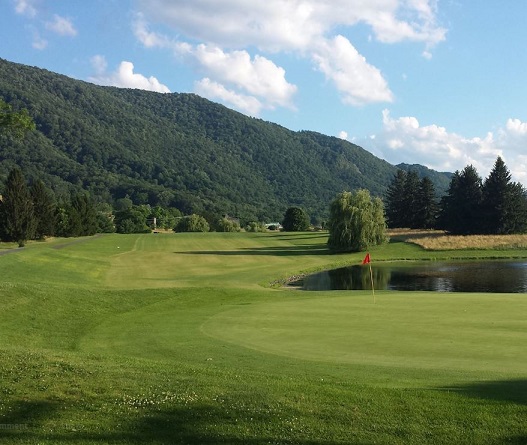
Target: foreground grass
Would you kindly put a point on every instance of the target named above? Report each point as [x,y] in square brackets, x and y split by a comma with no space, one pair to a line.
[172,339]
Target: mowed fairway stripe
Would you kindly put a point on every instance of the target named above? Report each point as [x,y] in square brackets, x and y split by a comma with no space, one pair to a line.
[461,332]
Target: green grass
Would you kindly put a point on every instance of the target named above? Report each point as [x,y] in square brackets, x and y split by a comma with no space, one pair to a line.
[182,339]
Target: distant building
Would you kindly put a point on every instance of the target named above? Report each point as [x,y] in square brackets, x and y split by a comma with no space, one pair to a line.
[274,226]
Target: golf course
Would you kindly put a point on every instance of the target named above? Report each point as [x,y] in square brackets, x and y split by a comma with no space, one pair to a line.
[191,338]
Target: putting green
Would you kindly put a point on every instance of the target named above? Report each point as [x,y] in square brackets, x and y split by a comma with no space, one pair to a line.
[457,332]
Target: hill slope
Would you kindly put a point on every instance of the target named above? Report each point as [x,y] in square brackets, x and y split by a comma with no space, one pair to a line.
[176,149]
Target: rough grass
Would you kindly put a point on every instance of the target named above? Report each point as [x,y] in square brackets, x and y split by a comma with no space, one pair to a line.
[439,240]
[170,339]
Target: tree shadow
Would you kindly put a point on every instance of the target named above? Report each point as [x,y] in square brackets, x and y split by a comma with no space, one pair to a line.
[299,250]
[502,390]
[292,235]
[507,391]
[24,417]
[200,425]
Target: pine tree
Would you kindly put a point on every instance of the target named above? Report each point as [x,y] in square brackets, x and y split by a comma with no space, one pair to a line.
[44,210]
[410,204]
[395,212]
[495,198]
[18,219]
[82,215]
[461,207]
[426,214]
[515,220]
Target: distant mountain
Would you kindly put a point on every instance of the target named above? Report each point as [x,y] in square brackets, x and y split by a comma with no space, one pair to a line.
[177,150]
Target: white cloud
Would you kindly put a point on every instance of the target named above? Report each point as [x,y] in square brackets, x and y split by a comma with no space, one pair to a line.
[516,127]
[38,41]
[62,26]
[228,29]
[247,83]
[294,24]
[124,77]
[215,91]
[403,139]
[358,81]
[259,76]
[25,7]
[343,135]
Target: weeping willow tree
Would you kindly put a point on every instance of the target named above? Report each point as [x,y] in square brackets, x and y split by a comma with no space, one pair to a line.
[356,222]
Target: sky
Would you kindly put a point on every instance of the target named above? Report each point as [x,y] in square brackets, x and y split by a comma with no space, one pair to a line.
[440,83]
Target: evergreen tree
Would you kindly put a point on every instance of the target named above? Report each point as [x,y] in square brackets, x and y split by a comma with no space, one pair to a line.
[426,206]
[461,207]
[44,210]
[495,198]
[356,222]
[515,209]
[410,206]
[395,211]
[295,220]
[82,216]
[18,219]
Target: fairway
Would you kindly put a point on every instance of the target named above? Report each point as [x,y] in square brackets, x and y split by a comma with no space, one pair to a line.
[190,339]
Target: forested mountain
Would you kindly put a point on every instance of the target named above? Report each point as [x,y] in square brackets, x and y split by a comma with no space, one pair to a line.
[176,150]
[441,180]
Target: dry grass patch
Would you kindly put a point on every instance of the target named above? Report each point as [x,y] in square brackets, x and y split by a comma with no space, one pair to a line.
[440,240]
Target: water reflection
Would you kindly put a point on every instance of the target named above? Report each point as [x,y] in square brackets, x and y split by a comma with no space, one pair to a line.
[482,276]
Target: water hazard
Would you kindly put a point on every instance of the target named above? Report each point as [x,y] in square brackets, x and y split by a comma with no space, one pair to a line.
[462,276]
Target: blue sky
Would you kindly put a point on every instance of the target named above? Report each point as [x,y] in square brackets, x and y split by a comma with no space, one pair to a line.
[439,83]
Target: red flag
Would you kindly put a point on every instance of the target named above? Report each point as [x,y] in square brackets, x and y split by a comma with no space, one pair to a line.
[366,259]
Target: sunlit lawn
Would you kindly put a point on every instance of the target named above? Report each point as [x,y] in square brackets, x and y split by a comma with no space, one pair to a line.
[183,338]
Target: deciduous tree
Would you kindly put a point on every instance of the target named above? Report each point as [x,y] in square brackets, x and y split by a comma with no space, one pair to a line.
[192,223]
[295,220]
[356,222]
[15,123]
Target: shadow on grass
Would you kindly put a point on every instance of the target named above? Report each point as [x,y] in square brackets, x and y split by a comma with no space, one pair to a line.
[514,391]
[273,251]
[24,417]
[201,425]
[293,236]
[505,391]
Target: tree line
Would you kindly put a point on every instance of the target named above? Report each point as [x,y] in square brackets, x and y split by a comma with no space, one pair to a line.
[471,205]
[32,212]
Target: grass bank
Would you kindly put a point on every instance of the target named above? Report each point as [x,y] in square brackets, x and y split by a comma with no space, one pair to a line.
[179,338]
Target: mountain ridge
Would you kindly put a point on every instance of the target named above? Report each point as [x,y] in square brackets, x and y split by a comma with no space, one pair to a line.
[178,149]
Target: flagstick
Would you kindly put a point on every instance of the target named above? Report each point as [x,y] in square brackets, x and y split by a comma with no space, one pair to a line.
[372,289]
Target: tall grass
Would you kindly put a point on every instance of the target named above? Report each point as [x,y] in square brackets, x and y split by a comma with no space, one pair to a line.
[439,240]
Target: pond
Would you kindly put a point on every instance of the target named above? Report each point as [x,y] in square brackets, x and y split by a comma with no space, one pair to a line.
[495,276]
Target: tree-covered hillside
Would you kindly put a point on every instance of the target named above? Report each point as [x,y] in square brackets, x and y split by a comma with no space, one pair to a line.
[175,150]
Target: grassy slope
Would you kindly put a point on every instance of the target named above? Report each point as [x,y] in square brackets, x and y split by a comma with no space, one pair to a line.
[168,339]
